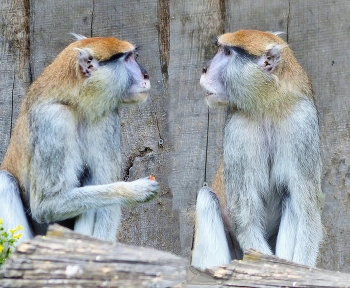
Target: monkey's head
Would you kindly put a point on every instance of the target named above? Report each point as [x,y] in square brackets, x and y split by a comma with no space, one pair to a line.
[94,75]
[109,64]
[253,71]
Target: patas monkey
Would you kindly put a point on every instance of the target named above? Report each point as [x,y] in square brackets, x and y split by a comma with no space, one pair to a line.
[272,165]
[64,159]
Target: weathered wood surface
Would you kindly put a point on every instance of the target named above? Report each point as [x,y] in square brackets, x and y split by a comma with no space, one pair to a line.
[14,64]
[66,259]
[175,41]
[259,270]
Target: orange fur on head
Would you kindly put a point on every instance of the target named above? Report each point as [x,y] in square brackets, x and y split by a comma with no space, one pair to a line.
[103,48]
[253,41]
[291,75]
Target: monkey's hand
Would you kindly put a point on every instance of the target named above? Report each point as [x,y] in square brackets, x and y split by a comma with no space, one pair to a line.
[144,189]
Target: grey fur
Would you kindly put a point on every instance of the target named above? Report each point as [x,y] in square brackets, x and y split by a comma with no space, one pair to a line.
[269,178]
[74,155]
[272,165]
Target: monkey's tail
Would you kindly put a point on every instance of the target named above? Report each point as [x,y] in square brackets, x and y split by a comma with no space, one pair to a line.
[12,211]
[210,243]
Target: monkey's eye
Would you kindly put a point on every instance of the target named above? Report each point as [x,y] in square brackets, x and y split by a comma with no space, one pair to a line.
[127,57]
[227,51]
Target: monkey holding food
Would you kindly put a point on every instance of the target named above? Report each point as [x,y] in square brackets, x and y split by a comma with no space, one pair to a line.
[272,195]
[64,157]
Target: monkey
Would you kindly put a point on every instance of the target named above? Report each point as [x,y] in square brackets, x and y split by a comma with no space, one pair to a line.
[271,198]
[63,162]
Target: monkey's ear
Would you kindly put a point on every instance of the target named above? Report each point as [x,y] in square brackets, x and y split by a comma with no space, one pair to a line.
[87,62]
[270,59]
[78,36]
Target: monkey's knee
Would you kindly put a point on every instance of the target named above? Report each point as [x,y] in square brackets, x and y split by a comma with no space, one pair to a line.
[210,243]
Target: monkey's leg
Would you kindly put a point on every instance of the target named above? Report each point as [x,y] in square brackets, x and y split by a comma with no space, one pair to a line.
[84,223]
[11,207]
[297,166]
[107,221]
[287,231]
[210,244]
[308,237]
[300,231]
[247,181]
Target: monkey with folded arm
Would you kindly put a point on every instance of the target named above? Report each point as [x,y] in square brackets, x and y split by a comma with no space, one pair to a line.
[64,159]
[272,195]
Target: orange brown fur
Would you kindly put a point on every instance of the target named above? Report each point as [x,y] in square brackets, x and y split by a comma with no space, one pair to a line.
[64,160]
[218,185]
[64,70]
[104,47]
[291,75]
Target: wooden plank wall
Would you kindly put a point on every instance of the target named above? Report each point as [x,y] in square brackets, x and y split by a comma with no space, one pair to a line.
[175,39]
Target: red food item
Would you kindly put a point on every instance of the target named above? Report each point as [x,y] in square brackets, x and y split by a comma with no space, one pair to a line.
[151,177]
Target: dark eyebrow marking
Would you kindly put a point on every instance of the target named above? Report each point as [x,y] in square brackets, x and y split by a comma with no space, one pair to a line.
[113,58]
[241,51]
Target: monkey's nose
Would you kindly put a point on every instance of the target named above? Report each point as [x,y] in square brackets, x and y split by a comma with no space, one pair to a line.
[204,70]
[145,76]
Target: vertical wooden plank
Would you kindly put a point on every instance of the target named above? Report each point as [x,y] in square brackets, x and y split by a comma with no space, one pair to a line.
[165,223]
[261,15]
[193,26]
[146,24]
[318,42]
[14,60]
[150,224]
[318,34]
[50,24]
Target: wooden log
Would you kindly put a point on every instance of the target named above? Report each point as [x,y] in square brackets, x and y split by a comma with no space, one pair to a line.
[260,270]
[67,259]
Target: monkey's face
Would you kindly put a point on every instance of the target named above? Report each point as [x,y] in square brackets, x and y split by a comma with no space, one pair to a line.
[242,71]
[111,72]
[131,81]
[138,84]
[212,78]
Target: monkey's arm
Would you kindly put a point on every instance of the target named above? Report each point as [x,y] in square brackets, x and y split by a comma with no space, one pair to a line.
[56,166]
[298,167]
[69,203]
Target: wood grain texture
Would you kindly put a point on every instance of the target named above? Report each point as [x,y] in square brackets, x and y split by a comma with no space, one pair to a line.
[259,270]
[14,64]
[175,39]
[67,259]
[151,224]
[322,46]
[188,113]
